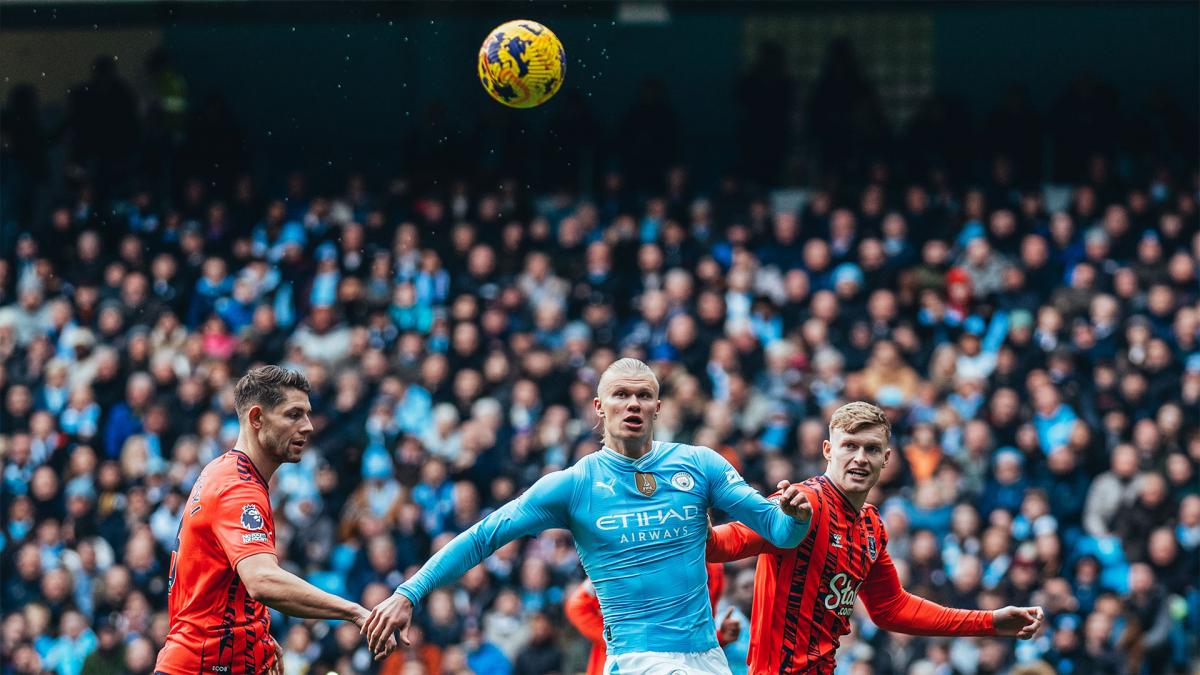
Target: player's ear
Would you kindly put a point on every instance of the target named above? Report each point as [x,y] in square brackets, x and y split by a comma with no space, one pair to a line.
[254,416]
[827,450]
[597,406]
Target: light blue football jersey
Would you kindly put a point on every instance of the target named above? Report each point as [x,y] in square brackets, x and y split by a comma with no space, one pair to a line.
[640,527]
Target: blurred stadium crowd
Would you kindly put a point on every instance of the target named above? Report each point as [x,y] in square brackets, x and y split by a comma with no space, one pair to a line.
[1040,365]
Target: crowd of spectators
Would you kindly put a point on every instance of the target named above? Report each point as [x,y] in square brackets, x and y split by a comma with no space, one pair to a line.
[1041,369]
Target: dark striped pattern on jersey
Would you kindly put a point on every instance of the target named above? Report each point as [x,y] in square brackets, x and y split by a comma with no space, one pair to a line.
[826,571]
[246,469]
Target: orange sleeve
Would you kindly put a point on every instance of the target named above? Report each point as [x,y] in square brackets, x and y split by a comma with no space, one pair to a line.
[716,584]
[894,609]
[583,611]
[734,541]
[242,523]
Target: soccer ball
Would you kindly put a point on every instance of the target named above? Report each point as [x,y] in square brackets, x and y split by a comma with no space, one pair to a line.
[522,64]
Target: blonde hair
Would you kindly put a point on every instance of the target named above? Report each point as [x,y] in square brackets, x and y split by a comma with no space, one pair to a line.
[858,415]
[626,366]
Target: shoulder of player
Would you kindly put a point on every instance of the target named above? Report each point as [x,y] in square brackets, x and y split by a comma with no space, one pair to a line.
[586,465]
[813,483]
[871,514]
[682,452]
[226,476]
[707,464]
[873,517]
[569,478]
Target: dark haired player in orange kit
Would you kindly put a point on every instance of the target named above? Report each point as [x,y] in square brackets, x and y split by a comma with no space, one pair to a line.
[224,573]
[804,596]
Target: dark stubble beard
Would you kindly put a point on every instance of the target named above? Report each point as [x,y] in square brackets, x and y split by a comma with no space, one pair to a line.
[277,445]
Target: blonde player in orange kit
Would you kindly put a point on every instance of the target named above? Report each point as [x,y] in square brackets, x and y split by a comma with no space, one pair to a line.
[224,572]
[804,595]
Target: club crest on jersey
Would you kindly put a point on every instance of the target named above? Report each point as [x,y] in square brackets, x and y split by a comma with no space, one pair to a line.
[872,551]
[835,540]
[682,480]
[251,517]
[645,483]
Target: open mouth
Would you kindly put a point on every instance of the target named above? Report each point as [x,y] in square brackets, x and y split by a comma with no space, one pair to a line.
[858,473]
[633,422]
[299,444]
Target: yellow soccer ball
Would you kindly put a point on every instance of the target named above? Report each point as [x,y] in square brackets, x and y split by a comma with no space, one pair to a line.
[522,64]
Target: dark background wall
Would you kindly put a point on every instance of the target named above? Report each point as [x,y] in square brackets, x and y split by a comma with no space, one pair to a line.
[371,80]
[340,85]
[1134,47]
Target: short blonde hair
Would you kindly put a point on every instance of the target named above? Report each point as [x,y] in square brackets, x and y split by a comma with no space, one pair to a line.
[627,366]
[858,415]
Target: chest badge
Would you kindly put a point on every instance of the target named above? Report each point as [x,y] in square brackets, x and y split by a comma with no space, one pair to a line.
[683,480]
[645,483]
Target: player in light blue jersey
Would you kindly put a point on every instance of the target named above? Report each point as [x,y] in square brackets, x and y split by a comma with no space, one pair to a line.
[638,511]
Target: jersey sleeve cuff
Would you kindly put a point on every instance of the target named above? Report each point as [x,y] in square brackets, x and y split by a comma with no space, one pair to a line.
[408,593]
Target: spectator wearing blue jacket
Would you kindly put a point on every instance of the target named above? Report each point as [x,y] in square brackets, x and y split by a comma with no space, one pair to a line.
[126,417]
[214,284]
[1068,485]
[1005,489]
[71,648]
[483,656]
[1052,418]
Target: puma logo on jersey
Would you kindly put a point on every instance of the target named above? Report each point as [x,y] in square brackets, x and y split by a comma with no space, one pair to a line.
[609,485]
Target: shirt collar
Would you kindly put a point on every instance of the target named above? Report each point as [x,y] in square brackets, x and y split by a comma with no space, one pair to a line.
[840,497]
[623,461]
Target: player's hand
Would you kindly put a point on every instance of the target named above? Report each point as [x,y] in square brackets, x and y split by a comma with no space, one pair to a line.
[729,630]
[388,648]
[793,502]
[277,666]
[1019,622]
[389,616]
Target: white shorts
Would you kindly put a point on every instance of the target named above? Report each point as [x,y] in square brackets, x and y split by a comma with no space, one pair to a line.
[711,662]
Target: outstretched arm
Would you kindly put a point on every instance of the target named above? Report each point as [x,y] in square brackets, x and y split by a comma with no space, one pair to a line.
[281,590]
[735,541]
[543,506]
[894,609]
[729,492]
